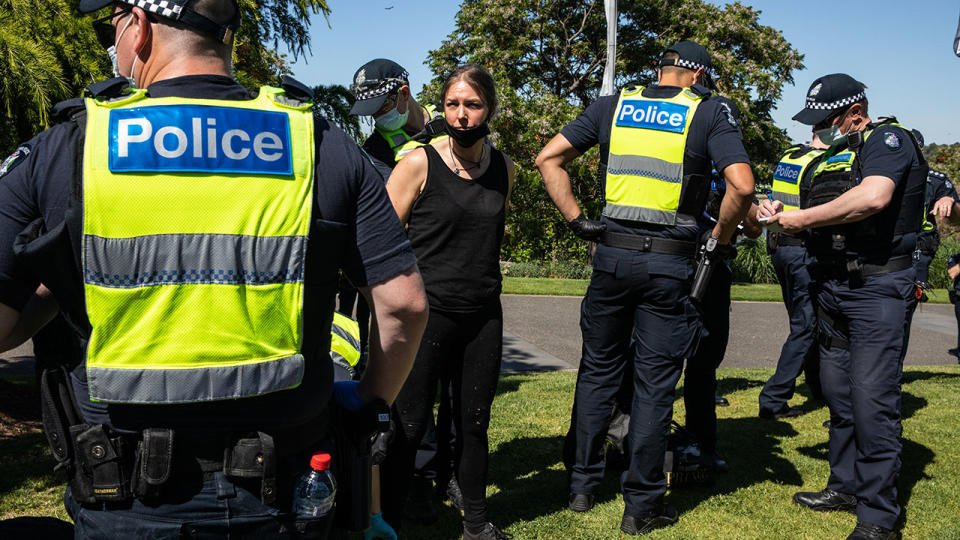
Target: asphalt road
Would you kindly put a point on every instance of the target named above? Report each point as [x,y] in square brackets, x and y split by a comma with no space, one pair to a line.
[757,330]
[542,333]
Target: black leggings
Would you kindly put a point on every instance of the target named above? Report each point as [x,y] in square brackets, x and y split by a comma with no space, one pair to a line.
[465,349]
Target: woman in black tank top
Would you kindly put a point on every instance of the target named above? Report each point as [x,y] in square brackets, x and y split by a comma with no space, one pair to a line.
[452,194]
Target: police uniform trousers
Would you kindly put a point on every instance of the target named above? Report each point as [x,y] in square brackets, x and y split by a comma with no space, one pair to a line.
[645,295]
[700,375]
[861,383]
[799,352]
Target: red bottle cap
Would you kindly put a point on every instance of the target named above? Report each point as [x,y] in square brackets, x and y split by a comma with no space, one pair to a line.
[320,462]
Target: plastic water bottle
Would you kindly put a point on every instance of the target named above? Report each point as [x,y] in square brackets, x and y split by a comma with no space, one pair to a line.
[316,490]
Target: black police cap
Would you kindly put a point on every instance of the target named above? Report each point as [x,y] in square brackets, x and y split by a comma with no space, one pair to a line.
[177,10]
[828,94]
[692,56]
[374,82]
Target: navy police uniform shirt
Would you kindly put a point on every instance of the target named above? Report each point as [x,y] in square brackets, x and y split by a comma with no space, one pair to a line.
[347,190]
[938,187]
[380,153]
[714,137]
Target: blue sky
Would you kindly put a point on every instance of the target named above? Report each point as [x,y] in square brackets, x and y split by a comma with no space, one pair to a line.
[900,50]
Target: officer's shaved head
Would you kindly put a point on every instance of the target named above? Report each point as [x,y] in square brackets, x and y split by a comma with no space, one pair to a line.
[191,41]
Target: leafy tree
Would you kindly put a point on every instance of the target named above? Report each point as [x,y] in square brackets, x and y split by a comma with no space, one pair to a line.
[333,102]
[48,53]
[547,57]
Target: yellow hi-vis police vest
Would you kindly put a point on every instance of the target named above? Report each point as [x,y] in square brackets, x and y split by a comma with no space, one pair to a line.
[400,141]
[645,165]
[196,214]
[345,343]
[789,172]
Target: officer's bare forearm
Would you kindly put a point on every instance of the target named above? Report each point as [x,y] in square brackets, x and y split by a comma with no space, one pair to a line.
[551,162]
[399,314]
[39,310]
[752,227]
[872,195]
[736,201]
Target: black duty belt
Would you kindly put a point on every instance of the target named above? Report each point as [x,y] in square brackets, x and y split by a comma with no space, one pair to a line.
[784,239]
[856,268]
[635,242]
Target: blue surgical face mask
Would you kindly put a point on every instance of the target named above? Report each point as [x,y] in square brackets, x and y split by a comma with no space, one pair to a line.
[831,136]
[392,120]
[112,53]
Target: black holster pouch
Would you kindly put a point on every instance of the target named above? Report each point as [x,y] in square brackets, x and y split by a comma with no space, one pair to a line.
[253,457]
[353,430]
[154,463]
[102,465]
[952,294]
[928,244]
[59,411]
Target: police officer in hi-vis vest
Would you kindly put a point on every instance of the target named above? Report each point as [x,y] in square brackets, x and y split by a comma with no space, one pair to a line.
[192,233]
[941,201]
[401,124]
[656,145]
[864,209]
[791,262]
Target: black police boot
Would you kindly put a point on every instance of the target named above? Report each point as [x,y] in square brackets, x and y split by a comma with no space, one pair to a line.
[826,423]
[955,353]
[419,506]
[827,500]
[489,532]
[721,401]
[869,531]
[661,517]
[581,502]
[453,493]
[785,412]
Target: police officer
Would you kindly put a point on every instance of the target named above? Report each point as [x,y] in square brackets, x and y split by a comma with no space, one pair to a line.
[201,275]
[864,210]
[791,262]
[940,199]
[656,145]
[382,89]
[953,271]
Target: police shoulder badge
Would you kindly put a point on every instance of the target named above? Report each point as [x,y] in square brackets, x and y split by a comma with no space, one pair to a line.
[892,140]
[14,159]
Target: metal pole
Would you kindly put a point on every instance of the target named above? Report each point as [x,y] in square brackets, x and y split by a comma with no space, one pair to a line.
[956,41]
[609,70]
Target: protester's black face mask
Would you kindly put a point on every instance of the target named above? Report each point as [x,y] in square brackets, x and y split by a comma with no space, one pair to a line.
[467,137]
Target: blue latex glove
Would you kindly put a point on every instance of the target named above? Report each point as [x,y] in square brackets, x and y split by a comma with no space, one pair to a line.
[346,395]
[379,529]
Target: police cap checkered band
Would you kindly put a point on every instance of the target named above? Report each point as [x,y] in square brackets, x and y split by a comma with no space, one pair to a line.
[177,10]
[689,64]
[828,94]
[371,88]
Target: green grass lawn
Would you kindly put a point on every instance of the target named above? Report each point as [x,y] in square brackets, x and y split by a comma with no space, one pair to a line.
[769,461]
[760,292]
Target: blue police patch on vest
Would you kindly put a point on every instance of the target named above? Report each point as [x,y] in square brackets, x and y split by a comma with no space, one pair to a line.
[199,138]
[659,115]
[840,157]
[787,172]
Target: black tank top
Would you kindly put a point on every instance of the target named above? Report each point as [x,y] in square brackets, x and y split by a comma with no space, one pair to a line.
[455,227]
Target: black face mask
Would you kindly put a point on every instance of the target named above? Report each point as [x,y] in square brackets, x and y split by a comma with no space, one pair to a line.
[467,137]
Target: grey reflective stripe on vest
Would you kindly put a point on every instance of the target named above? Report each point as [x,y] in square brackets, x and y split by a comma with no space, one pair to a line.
[645,166]
[176,259]
[339,360]
[195,384]
[788,199]
[343,334]
[636,213]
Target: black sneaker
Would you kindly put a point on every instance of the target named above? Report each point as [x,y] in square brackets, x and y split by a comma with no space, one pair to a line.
[869,531]
[489,532]
[419,505]
[826,500]
[955,353]
[785,412]
[721,401]
[581,502]
[661,517]
[453,494]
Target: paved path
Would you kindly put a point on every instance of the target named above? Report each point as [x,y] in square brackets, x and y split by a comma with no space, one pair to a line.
[542,333]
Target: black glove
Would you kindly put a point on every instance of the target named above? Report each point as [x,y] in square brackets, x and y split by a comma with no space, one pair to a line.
[722,252]
[586,229]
